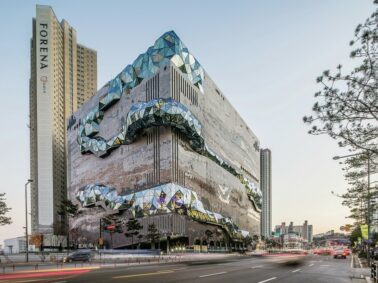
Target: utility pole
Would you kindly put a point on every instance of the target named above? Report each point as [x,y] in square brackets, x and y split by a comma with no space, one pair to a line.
[368,207]
[100,227]
[100,239]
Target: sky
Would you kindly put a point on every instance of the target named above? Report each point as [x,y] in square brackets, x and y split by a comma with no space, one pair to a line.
[264,55]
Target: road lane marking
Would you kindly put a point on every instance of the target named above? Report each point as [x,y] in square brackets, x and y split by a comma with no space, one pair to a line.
[212,274]
[143,274]
[270,279]
[257,266]
[311,264]
[324,265]
[151,265]
[199,262]
[296,270]
[359,262]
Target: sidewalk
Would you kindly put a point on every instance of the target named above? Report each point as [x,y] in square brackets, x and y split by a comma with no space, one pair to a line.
[360,269]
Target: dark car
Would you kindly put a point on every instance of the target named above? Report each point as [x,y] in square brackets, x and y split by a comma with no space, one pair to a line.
[78,256]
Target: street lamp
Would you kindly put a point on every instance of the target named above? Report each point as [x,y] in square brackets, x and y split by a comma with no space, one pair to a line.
[26,219]
[368,194]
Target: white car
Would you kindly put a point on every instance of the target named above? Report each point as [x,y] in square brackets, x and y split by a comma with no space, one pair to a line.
[339,253]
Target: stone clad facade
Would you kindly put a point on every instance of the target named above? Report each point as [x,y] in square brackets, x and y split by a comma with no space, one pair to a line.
[209,183]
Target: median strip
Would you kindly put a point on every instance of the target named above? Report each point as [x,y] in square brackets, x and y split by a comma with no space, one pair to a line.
[143,274]
[42,274]
[212,274]
[24,281]
[56,269]
[267,280]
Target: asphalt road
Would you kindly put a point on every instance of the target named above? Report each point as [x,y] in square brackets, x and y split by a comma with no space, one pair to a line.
[251,270]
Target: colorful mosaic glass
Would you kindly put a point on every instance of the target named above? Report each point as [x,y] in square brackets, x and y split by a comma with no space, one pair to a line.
[163,199]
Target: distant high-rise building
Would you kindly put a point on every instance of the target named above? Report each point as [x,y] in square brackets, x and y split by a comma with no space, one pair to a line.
[266,188]
[63,75]
[86,73]
[305,231]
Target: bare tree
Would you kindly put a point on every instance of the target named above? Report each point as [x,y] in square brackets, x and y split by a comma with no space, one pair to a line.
[346,107]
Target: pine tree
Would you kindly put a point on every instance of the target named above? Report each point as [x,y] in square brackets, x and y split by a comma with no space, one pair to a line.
[133,228]
[112,224]
[358,194]
[152,234]
[4,209]
[67,210]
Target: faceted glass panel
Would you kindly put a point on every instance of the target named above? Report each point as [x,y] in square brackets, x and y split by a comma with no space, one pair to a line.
[167,198]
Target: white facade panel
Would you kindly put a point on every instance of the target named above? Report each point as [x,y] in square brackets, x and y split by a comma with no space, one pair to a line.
[45,120]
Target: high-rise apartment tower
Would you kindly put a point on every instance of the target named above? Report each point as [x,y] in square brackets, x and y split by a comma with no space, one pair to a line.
[266,188]
[63,75]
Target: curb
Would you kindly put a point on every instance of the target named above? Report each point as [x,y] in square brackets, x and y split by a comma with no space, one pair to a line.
[356,259]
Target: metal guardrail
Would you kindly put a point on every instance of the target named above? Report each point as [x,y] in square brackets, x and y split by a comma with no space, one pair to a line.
[13,267]
[373,272]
